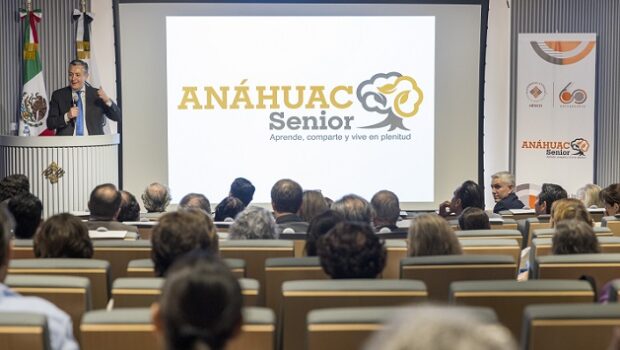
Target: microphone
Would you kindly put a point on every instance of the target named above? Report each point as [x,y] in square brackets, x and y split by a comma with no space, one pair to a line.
[75,98]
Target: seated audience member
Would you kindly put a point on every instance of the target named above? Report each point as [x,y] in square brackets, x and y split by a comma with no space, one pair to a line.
[469,194]
[104,205]
[354,208]
[59,323]
[547,196]
[243,189]
[200,305]
[63,236]
[473,218]
[26,208]
[386,207]
[569,208]
[610,196]
[253,223]
[178,233]
[574,237]
[196,201]
[130,208]
[590,196]
[430,234]
[434,327]
[228,209]
[13,185]
[318,227]
[312,204]
[351,250]
[502,186]
[156,198]
[286,198]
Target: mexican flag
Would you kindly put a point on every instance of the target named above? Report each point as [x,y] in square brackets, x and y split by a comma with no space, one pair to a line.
[34,102]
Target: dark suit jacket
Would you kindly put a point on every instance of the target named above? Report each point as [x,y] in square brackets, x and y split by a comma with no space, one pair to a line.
[510,202]
[96,112]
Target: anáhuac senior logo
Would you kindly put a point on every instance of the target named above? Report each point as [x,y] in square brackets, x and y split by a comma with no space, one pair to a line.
[392,96]
[559,149]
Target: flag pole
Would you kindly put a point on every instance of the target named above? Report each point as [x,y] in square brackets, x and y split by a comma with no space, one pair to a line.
[29,5]
[83,5]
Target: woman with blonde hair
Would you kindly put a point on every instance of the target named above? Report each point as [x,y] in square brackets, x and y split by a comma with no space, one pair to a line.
[430,234]
[590,196]
[569,208]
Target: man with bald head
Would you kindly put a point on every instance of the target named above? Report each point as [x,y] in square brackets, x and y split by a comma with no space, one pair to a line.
[104,206]
[156,198]
[354,208]
[387,210]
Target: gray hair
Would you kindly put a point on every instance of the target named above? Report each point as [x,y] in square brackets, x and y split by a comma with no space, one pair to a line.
[80,63]
[386,206]
[197,201]
[441,328]
[505,177]
[156,197]
[253,223]
[354,208]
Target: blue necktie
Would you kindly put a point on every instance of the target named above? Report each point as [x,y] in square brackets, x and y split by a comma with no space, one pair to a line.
[79,124]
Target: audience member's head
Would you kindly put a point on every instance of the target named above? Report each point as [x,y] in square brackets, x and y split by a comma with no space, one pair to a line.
[63,236]
[13,185]
[312,204]
[354,208]
[574,237]
[590,195]
[432,327]
[104,203]
[569,208]
[286,197]
[156,198]
[473,218]
[26,208]
[253,223]
[178,233]
[228,209]
[502,185]
[6,227]
[351,250]
[386,207]
[318,227]
[200,305]
[610,196]
[549,194]
[130,208]
[429,234]
[468,195]
[197,201]
[243,189]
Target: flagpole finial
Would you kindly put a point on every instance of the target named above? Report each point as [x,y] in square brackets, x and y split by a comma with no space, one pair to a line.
[83,5]
[29,5]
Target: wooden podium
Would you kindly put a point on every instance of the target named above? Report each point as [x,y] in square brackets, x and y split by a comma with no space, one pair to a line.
[63,170]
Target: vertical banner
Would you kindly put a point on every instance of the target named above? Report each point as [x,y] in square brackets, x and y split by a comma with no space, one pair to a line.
[556,80]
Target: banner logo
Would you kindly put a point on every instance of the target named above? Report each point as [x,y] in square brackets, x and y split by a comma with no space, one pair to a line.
[577,96]
[559,149]
[394,95]
[581,146]
[562,52]
[33,108]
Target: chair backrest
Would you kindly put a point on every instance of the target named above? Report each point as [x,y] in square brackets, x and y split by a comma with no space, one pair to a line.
[97,271]
[601,267]
[280,270]
[569,326]
[145,268]
[492,247]
[548,232]
[258,330]
[254,253]
[536,223]
[299,242]
[491,234]
[71,294]
[122,329]
[441,270]
[613,223]
[542,246]
[119,253]
[300,297]
[145,228]
[22,249]
[505,224]
[24,331]
[396,251]
[509,298]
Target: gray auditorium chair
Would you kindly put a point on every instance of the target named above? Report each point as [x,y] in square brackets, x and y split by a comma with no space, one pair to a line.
[601,267]
[569,326]
[23,331]
[71,294]
[548,232]
[145,267]
[490,234]
[537,223]
[504,224]
[254,252]
[396,251]
[509,298]
[119,253]
[280,270]
[97,271]
[22,249]
[492,247]
[441,270]
[122,329]
[612,223]
[258,331]
[301,297]
[299,242]
[542,246]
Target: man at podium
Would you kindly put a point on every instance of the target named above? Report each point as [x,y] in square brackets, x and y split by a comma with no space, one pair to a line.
[79,109]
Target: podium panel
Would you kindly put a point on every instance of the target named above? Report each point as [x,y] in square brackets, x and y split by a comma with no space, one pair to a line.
[63,170]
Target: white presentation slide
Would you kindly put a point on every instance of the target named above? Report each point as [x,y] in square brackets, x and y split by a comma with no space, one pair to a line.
[344,104]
